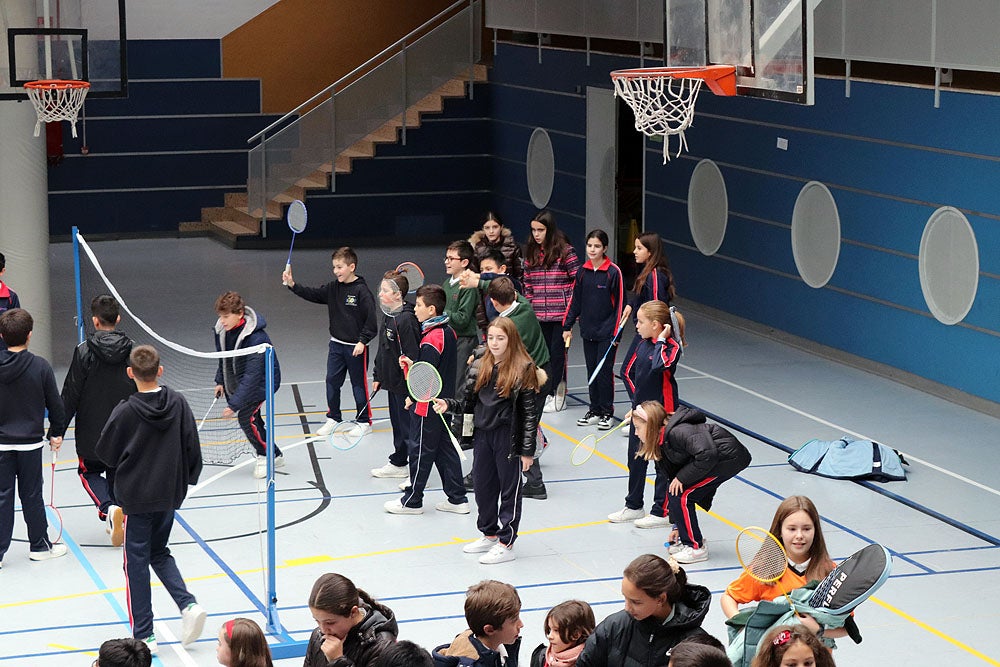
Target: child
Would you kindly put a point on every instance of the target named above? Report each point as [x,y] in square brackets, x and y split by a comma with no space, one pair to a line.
[429,444]
[702,650]
[797,526]
[405,654]
[353,628]
[123,653]
[151,441]
[792,646]
[8,297]
[567,626]
[493,612]
[461,304]
[353,325]
[697,458]
[649,376]
[550,266]
[241,379]
[500,395]
[494,236]
[661,609]
[242,644]
[399,336]
[491,266]
[27,389]
[598,299]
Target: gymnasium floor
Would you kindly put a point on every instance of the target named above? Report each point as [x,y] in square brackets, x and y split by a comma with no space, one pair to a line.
[942,525]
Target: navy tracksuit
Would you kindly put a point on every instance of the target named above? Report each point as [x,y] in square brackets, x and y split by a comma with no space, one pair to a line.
[399,335]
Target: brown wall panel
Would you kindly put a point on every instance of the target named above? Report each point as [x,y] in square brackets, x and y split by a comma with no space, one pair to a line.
[298,47]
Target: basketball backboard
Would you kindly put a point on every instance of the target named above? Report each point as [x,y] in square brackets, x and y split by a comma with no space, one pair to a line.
[769,41]
[63,39]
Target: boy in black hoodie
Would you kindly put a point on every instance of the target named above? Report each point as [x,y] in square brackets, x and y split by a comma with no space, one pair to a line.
[27,389]
[95,384]
[151,441]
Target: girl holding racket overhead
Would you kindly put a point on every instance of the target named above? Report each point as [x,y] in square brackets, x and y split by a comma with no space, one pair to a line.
[697,458]
[500,390]
[648,374]
[796,525]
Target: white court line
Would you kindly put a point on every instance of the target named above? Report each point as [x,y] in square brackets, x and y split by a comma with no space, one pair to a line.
[843,429]
[161,630]
[222,473]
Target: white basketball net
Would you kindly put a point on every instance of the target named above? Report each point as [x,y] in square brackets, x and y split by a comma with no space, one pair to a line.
[56,102]
[663,105]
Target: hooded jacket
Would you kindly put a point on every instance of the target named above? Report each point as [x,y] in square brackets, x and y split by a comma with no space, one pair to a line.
[27,389]
[152,442]
[399,335]
[693,449]
[506,244]
[243,377]
[466,650]
[363,644]
[622,641]
[95,384]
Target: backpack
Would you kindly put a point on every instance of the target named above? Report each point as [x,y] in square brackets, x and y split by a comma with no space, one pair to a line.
[847,458]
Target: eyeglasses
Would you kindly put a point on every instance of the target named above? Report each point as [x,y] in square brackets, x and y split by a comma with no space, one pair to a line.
[448,258]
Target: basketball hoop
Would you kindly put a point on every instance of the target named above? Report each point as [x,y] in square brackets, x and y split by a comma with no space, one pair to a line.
[56,100]
[662,98]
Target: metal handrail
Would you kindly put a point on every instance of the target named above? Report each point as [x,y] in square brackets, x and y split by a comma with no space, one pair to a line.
[374,59]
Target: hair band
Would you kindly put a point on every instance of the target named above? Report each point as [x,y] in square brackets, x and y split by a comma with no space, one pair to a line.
[783,638]
[641,413]
[229,628]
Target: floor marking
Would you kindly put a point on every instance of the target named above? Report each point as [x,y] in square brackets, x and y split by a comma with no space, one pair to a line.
[934,631]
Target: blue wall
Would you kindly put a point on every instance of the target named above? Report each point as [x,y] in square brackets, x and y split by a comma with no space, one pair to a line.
[887,155]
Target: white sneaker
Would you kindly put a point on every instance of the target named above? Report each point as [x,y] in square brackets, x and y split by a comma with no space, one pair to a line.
[279,461]
[653,521]
[396,507]
[405,484]
[116,525]
[482,545]
[588,419]
[550,404]
[389,470]
[626,515]
[498,553]
[192,623]
[448,506]
[327,428]
[150,643]
[625,428]
[689,554]
[260,467]
[58,549]
[359,430]
[674,548]
[606,423]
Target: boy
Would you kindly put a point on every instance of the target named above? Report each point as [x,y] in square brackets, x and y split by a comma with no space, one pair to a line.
[151,441]
[8,297]
[95,384]
[399,336]
[491,265]
[27,389]
[124,653]
[461,305]
[352,326]
[429,444]
[241,379]
[493,611]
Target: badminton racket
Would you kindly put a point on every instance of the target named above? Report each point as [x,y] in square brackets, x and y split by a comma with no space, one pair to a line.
[413,274]
[763,557]
[297,218]
[347,434]
[424,384]
[207,413]
[559,402]
[614,341]
[585,448]
[52,499]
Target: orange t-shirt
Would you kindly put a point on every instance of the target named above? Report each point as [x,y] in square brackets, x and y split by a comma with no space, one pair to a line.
[747,589]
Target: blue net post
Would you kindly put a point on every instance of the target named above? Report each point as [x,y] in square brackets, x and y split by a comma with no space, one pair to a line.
[273,623]
[80,329]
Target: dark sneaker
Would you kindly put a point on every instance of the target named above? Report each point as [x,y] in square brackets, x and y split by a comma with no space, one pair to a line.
[467,480]
[534,491]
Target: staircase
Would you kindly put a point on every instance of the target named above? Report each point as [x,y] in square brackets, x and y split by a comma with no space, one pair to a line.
[235,220]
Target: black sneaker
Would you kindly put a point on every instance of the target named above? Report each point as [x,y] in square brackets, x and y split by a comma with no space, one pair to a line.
[467,480]
[534,491]
[588,419]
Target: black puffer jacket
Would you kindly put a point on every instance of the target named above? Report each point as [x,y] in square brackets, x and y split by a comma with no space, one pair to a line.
[510,248]
[523,440]
[622,641]
[693,450]
[364,643]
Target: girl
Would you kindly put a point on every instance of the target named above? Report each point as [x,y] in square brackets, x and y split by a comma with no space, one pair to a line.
[661,609]
[792,646]
[567,626]
[649,376]
[353,628]
[797,526]
[598,299]
[550,266]
[242,644]
[495,236]
[697,458]
[499,395]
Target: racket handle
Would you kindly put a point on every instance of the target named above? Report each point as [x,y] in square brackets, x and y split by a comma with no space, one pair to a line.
[288,267]
[454,440]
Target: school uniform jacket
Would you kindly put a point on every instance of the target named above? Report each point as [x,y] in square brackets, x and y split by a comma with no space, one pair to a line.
[649,373]
[95,384]
[598,292]
[467,651]
[399,333]
[656,287]
[461,305]
[438,347]
[8,300]
[548,289]
[694,450]
[351,306]
[621,641]
[27,389]
[244,377]
[364,643]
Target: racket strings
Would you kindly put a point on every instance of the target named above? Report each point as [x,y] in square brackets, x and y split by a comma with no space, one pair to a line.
[424,382]
[762,556]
